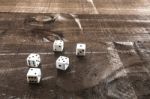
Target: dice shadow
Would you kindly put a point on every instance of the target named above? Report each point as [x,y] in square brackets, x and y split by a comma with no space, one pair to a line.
[57,54]
[35,86]
[40,66]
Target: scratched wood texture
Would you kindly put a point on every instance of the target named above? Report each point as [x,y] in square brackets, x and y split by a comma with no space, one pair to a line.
[117,61]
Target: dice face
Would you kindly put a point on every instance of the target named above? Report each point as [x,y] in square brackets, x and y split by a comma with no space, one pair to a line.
[80,49]
[32,79]
[58,45]
[62,63]
[34,75]
[33,60]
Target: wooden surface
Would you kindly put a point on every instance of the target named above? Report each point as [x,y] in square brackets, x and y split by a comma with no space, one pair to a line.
[117,61]
[76,6]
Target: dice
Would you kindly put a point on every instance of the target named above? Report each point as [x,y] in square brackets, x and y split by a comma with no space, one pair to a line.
[80,49]
[62,63]
[33,60]
[58,45]
[34,75]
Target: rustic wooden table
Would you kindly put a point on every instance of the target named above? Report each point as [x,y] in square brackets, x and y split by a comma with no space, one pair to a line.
[117,61]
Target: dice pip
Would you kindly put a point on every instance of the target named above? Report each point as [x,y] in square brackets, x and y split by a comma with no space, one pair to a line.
[62,63]
[34,75]
[80,49]
[58,45]
[33,60]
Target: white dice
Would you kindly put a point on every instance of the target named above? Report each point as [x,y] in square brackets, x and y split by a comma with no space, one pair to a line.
[80,49]
[34,75]
[58,45]
[33,60]
[62,63]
